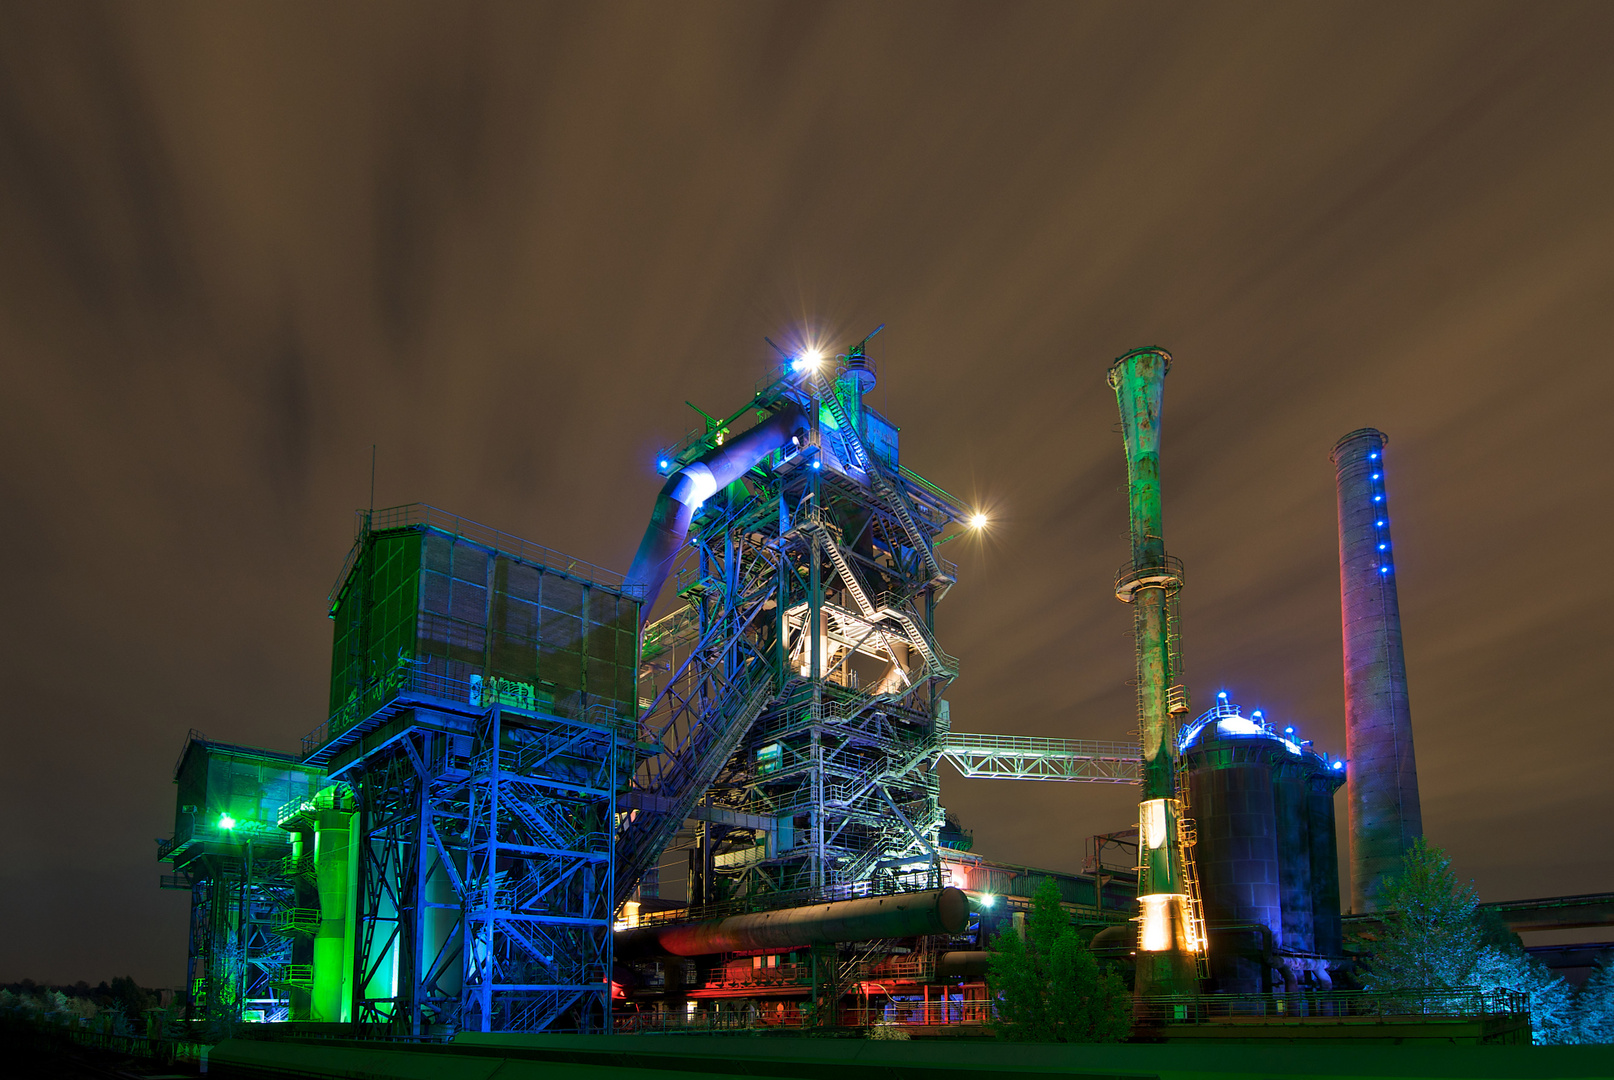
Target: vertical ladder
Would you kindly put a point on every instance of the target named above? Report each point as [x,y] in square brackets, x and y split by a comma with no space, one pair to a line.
[1187,838]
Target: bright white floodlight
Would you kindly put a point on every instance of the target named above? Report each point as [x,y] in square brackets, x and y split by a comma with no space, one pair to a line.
[978,521]
[808,361]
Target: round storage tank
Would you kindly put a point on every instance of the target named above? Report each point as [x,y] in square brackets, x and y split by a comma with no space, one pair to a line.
[1291,798]
[1329,938]
[1263,806]
[1230,799]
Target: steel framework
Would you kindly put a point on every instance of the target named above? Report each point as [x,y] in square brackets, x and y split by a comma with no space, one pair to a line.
[538,901]
[802,677]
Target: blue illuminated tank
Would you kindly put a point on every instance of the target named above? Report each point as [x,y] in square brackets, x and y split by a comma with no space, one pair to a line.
[1263,804]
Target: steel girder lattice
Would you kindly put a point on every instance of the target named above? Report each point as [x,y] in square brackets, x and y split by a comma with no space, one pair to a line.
[537,892]
[412,811]
[484,875]
[797,719]
[240,944]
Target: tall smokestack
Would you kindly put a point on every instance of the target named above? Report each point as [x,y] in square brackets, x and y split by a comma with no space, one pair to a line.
[1383,779]
[1170,927]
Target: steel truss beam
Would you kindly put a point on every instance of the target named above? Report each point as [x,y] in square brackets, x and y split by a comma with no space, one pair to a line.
[1012,757]
[409,933]
[237,963]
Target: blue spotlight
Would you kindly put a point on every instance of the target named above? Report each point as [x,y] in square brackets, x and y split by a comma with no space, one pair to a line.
[818,465]
[1378,498]
[1384,569]
[1339,764]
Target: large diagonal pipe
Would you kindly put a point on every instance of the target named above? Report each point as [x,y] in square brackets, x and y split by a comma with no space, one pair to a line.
[696,482]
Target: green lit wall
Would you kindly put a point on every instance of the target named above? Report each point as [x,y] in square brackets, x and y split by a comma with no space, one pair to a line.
[424,604]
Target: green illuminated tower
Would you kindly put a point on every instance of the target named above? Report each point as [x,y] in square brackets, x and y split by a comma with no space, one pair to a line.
[1170,926]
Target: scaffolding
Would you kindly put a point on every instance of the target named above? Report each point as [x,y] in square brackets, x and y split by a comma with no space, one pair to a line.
[245,943]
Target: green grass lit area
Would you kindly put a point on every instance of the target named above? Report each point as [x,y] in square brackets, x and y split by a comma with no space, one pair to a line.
[554,1056]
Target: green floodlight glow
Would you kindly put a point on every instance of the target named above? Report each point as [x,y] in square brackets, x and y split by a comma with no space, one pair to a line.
[988,900]
[226,821]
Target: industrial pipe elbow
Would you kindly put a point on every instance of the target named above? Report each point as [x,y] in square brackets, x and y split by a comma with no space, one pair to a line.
[685,490]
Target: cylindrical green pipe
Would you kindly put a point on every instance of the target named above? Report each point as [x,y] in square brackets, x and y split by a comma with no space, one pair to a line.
[932,911]
[332,833]
[1166,963]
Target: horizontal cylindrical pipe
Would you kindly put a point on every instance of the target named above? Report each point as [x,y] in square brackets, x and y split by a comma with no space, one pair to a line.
[963,964]
[933,911]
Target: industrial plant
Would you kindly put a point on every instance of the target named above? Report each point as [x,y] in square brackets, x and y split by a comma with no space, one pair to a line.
[535,806]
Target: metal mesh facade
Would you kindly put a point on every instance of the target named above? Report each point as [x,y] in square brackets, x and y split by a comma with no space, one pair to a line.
[433,600]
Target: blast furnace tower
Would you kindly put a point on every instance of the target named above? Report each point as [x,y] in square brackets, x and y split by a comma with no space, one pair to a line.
[1383,787]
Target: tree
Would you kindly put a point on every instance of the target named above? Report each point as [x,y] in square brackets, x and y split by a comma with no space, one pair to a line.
[1552,1002]
[1434,935]
[1428,936]
[1594,1019]
[1048,987]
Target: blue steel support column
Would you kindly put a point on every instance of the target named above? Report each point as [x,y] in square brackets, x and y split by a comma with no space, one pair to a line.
[1383,783]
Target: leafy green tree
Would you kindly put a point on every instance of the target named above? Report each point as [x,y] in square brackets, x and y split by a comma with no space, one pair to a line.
[1047,985]
[1428,936]
[1594,1012]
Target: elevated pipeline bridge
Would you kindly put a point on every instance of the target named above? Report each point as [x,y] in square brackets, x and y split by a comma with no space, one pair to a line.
[1016,757]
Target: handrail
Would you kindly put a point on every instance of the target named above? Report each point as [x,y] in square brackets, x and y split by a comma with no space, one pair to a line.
[423,515]
[1026,744]
[1130,578]
[414,514]
[1330,1004]
[934,489]
[892,493]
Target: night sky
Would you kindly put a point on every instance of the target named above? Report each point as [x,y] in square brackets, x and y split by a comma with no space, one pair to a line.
[241,243]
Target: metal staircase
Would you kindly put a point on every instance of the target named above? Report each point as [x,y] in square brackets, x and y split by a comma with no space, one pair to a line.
[882,485]
[678,782]
[915,633]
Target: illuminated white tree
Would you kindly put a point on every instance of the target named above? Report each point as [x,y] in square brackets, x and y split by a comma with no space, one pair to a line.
[1595,1011]
[1428,935]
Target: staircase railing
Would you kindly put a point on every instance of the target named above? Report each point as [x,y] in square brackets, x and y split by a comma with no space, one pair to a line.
[712,739]
[895,500]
